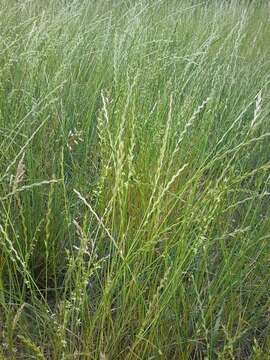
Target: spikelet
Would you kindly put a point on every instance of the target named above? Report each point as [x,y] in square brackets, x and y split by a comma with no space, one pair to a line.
[257,110]
[20,173]
[36,351]
[17,316]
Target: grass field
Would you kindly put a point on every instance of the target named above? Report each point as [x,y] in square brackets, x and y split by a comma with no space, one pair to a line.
[134,179]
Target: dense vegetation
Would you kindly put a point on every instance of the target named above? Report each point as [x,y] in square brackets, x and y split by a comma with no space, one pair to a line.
[135,182]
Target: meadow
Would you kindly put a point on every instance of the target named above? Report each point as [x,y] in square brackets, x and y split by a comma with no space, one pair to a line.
[134,179]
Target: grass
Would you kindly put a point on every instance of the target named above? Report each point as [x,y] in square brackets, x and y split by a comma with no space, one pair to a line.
[134,179]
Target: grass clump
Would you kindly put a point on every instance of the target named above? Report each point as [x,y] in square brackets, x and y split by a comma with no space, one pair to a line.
[134,192]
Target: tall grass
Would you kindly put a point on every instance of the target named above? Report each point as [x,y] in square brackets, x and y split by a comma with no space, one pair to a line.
[134,191]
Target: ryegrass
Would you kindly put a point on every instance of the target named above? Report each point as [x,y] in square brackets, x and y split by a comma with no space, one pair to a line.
[134,192]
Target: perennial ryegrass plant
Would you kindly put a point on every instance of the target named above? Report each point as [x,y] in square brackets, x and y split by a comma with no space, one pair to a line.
[134,179]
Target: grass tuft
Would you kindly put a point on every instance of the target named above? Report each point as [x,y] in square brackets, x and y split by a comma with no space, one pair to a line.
[134,179]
